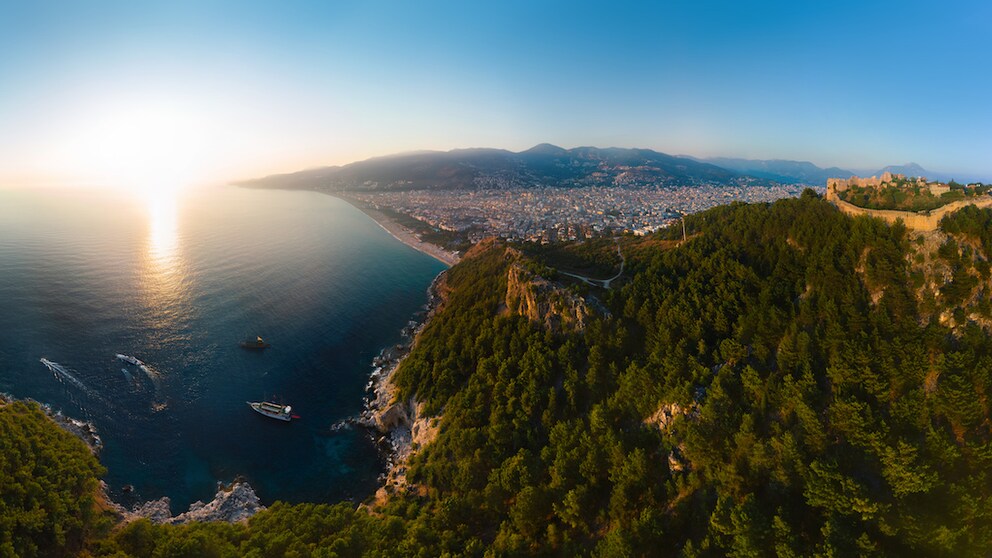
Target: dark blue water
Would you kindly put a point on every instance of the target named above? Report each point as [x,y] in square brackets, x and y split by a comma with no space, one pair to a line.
[178,281]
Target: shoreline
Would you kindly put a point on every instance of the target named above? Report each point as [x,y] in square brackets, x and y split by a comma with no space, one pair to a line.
[399,427]
[401,233]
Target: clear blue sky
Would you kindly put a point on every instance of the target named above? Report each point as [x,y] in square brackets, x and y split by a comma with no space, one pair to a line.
[239,88]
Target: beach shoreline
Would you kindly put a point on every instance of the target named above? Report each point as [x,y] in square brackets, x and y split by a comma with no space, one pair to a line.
[401,233]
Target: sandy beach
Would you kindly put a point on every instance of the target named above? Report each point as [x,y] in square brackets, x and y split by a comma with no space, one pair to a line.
[403,234]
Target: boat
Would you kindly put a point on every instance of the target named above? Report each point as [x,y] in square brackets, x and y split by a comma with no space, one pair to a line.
[130,359]
[257,345]
[272,410]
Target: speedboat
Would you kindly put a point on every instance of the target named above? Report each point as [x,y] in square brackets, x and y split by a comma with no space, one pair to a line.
[272,410]
[130,359]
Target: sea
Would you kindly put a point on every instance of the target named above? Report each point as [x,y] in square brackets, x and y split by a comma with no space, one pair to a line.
[178,280]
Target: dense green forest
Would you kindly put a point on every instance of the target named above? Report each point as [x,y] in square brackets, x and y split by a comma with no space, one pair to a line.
[48,484]
[773,386]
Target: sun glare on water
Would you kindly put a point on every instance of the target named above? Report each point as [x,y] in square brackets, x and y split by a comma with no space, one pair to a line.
[163,266]
[163,227]
[150,148]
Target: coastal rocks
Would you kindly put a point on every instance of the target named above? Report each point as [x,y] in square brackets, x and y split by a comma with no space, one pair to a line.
[424,430]
[394,416]
[402,429]
[85,431]
[234,503]
[404,440]
[156,511]
[383,410]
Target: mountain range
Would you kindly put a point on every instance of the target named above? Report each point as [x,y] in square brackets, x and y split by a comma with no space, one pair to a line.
[780,170]
[550,165]
[542,164]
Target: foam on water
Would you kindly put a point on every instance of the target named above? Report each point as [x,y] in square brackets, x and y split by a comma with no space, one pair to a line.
[63,375]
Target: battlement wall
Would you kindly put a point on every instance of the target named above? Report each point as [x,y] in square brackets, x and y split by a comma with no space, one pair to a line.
[925,221]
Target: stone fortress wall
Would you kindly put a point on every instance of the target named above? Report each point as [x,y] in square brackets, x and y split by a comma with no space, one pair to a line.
[923,221]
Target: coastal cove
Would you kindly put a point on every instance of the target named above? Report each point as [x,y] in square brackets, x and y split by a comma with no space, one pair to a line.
[178,283]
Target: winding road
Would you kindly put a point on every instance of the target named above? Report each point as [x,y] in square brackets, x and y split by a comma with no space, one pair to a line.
[604,283]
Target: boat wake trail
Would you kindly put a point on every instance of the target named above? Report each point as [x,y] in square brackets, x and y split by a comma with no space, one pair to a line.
[131,380]
[155,378]
[63,375]
[150,373]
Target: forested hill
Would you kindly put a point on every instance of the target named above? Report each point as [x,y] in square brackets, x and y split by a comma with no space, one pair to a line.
[789,381]
[773,386]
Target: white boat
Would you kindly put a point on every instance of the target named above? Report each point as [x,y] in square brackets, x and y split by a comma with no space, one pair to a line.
[272,410]
[131,359]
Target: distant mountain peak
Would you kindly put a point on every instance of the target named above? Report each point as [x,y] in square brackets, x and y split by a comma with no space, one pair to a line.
[908,169]
[546,149]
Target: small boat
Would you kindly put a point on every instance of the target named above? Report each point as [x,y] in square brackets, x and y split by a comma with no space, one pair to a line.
[257,345]
[272,410]
[130,359]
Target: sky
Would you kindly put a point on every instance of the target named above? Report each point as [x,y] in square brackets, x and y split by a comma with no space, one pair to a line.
[211,91]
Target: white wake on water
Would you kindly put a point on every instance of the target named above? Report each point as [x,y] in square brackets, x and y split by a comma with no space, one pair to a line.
[63,375]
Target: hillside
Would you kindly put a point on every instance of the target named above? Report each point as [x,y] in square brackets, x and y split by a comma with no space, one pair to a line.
[789,381]
[48,486]
[773,384]
[542,165]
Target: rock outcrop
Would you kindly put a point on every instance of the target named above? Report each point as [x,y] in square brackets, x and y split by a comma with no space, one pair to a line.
[665,416]
[234,503]
[542,301]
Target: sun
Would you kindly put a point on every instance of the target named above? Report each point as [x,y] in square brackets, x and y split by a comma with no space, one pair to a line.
[151,144]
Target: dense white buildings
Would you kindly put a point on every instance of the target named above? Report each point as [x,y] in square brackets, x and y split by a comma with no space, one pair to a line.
[556,213]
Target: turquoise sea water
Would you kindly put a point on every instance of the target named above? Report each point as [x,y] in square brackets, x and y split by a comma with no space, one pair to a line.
[178,281]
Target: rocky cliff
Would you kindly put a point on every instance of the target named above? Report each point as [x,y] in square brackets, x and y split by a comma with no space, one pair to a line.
[542,301]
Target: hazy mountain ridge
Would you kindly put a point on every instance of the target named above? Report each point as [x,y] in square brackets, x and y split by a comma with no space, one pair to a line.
[804,172]
[781,170]
[541,165]
[550,165]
